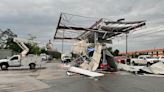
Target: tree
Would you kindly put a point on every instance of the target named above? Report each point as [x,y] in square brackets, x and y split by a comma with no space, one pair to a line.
[116,52]
[6,37]
[13,46]
[6,42]
[54,54]
[33,48]
[43,50]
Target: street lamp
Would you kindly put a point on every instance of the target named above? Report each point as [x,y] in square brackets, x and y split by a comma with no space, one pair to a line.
[119,20]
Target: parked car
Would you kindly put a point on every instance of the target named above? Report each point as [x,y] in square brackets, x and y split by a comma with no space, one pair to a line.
[161,58]
[44,57]
[66,58]
[144,60]
[120,59]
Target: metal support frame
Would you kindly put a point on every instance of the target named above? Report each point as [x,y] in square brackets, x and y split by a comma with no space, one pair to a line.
[95,37]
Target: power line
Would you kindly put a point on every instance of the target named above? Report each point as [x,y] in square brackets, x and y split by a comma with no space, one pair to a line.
[143,35]
[150,33]
[86,16]
[80,16]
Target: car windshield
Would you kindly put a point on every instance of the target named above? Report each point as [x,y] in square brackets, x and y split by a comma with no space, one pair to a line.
[66,57]
[148,57]
[156,57]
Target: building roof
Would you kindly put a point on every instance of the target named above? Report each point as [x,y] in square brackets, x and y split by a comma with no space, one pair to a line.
[144,51]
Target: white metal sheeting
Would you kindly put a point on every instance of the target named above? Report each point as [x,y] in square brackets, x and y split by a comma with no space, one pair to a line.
[128,67]
[157,68]
[96,57]
[85,72]
[79,47]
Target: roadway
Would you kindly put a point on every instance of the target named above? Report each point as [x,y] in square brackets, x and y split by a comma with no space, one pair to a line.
[54,79]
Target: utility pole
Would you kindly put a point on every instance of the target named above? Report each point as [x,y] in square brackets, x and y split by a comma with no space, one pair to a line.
[126,47]
[63,42]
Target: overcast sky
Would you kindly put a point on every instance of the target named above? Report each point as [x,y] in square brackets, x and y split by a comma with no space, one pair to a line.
[39,17]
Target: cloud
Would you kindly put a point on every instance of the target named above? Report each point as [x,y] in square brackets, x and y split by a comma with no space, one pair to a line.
[40,17]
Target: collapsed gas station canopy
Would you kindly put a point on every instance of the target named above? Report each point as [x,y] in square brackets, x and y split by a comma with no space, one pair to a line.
[74,27]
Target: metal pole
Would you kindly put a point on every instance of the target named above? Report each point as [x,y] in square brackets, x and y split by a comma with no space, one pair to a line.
[62,45]
[63,42]
[95,37]
[126,47]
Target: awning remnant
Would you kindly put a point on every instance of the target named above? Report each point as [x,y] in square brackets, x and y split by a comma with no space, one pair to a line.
[85,72]
[72,27]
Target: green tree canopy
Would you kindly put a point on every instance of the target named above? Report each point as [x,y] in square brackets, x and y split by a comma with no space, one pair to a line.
[116,52]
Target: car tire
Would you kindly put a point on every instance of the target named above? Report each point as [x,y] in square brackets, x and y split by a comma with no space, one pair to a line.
[128,63]
[4,66]
[133,63]
[148,64]
[68,60]
[32,66]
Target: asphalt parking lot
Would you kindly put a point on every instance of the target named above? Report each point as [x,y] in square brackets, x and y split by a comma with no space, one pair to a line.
[54,79]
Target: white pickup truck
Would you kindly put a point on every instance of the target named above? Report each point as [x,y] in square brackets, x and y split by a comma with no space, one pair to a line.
[161,58]
[21,59]
[30,61]
[144,60]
